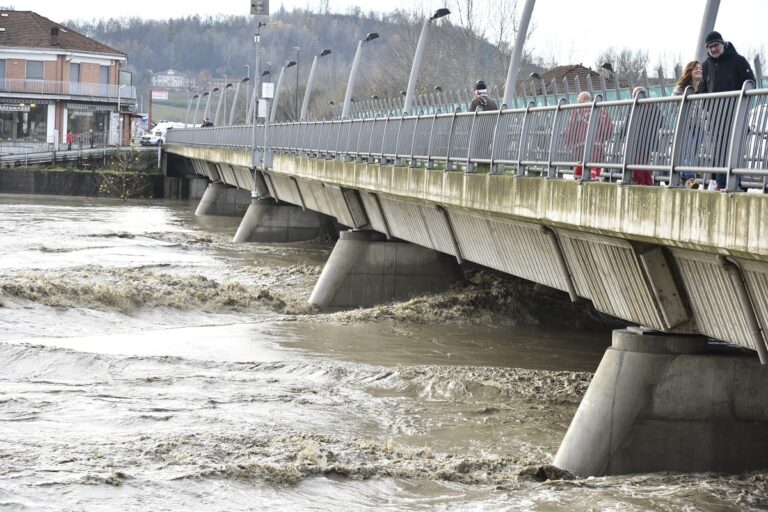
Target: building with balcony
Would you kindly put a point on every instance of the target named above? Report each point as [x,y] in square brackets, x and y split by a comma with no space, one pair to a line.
[54,81]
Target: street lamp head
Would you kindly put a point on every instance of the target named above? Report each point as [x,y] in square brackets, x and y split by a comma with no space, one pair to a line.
[370,37]
[195,96]
[265,73]
[331,102]
[607,66]
[535,76]
[438,88]
[374,97]
[228,86]
[325,52]
[245,79]
[290,63]
[206,93]
[440,13]
[403,93]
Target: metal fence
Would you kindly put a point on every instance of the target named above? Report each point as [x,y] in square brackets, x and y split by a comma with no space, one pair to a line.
[641,140]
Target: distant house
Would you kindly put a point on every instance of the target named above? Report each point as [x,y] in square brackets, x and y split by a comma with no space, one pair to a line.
[172,80]
[571,78]
[54,80]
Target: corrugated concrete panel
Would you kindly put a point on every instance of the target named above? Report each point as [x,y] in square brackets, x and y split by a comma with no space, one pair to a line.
[756,276]
[227,176]
[315,196]
[244,177]
[405,221]
[285,189]
[712,297]
[607,271]
[526,251]
[475,239]
[375,218]
[438,229]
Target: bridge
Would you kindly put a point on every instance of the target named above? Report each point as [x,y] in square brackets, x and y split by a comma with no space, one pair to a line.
[654,209]
[503,189]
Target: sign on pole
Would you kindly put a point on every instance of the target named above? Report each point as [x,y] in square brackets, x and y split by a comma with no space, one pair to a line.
[268,90]
[160,95]
[260,7]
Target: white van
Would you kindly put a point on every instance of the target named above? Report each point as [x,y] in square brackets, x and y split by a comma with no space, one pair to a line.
[156,136]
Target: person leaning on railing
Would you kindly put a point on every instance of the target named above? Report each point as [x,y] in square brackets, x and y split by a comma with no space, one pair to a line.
[691,77]
[724,70]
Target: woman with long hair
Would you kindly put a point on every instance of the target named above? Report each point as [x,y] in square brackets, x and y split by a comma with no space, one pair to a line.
[691,76]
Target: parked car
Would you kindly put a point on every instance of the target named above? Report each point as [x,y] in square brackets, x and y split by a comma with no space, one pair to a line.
[156,136]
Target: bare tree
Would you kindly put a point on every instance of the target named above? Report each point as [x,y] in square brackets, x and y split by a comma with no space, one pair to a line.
[129,175]
[627,64]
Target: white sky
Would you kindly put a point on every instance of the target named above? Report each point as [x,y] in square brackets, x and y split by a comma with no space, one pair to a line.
[571,31]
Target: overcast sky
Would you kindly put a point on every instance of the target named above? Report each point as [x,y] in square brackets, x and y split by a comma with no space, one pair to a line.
[571,32]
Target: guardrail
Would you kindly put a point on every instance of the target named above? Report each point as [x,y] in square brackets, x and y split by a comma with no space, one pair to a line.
[663,139]
[27,86]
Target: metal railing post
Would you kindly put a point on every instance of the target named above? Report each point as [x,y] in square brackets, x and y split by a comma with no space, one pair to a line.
[554,142]
[448,163]
[738,130]
[524,138]
[494,167]
[680,140]
[471,144]
[586,174]
[630,143]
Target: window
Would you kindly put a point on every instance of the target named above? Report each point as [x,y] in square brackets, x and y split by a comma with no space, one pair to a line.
[74,72]
[35,70]
[104,74]
[2,69]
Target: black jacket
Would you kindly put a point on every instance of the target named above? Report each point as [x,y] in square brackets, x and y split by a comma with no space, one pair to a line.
[725,73]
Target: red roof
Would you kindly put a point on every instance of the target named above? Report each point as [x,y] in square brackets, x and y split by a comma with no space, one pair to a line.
[26,29]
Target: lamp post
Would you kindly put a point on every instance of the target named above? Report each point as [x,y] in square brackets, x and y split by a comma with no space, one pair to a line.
[189,107]
[310,80]
[296,96]
[353,73]
[197,106]
[222,95]
[707,26]
[206,111]
[411,89]
[272,114]
[119,117]
[517,53]
[234,99]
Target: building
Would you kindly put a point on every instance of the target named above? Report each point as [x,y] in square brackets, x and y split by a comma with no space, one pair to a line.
[172,80]
[54,80]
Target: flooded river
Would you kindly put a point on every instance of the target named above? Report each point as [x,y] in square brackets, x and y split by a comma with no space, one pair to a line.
[148,363]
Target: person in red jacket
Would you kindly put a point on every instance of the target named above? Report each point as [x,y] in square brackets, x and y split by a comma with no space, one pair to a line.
[70,139]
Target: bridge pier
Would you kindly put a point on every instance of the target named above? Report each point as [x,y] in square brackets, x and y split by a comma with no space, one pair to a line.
[268,221]
[220,199]
[670,403]
[365,269]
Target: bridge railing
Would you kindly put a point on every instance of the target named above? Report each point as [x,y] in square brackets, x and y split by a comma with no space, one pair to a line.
[641,140]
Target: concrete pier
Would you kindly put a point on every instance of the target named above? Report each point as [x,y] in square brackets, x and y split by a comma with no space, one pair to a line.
[365,269]
[268,221]
[220,199]
[670,403]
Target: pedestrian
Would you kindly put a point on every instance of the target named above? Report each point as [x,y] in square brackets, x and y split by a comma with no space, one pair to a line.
[207,123]
[70,139]
[482,102]
[691,77]
[575,135]
[724,70]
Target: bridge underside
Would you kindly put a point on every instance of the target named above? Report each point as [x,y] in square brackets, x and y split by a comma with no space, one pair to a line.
[682,262]
[640,277]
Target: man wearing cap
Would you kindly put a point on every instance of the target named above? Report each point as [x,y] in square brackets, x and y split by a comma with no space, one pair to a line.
[482,101]
[724,69]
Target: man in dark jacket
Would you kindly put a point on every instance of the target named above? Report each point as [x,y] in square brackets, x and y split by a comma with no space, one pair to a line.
[482,101]
[724,70]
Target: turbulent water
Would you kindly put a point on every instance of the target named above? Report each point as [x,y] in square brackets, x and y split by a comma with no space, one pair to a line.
[148,363]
